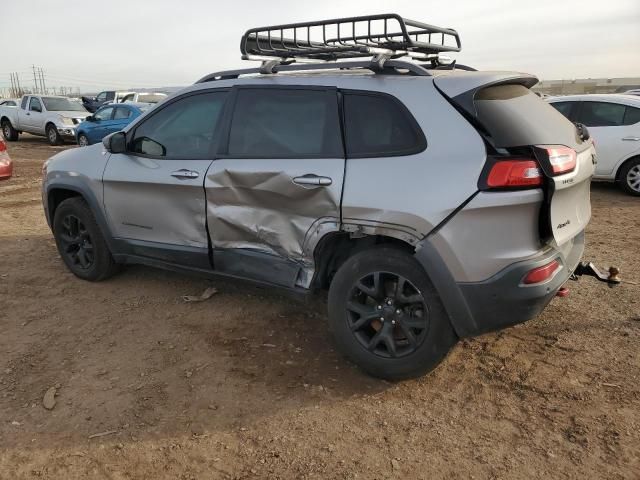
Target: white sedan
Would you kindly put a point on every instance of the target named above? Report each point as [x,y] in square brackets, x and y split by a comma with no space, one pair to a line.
[613,121]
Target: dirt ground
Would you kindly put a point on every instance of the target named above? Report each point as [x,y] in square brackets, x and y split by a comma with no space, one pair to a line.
[247,384]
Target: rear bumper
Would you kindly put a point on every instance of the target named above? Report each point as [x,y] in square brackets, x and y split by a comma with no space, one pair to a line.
[501,300]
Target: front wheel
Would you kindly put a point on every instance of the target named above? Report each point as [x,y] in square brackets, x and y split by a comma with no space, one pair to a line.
[53,136]
[80,241]
[83,141]
[386,316]
[630,177]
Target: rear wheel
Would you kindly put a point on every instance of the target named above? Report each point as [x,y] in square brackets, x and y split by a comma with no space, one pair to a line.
[52,135]
[630,177]
[10,134]
[386,316]
[80,241]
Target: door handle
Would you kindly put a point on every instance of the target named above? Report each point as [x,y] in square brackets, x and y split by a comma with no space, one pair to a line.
[312,179]
[632,139]
[184,174]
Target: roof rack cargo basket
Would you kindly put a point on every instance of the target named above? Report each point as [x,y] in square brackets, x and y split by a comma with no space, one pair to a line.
[348,38]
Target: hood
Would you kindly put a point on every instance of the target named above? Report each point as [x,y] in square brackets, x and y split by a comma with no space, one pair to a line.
[73,114]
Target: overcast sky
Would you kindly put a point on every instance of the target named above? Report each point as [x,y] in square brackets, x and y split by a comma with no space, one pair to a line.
[126,43]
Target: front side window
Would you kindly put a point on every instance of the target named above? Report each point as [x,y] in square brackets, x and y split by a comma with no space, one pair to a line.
[378,125]
[602,114]
[631,116]
[285,123]
[104,114]
[183,129]
[35,105]
[121,113]
[102,96]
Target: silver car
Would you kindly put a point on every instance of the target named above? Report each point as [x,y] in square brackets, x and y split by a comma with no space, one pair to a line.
[432,202]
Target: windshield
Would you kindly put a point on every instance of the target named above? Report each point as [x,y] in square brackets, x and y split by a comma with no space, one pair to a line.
[59,104]
[151,97]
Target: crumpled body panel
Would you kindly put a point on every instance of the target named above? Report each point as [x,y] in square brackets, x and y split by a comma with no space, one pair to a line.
[254,204]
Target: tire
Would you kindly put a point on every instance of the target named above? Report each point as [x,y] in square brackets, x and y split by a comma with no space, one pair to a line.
[630,176]
[10,134]
[52,135]
[80,241]
[355,317]
[83,141]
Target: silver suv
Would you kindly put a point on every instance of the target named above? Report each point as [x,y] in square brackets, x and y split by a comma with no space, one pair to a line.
[432,201]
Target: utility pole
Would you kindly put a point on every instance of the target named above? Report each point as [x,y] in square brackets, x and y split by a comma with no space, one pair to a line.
[13,88]
[44,85]
[35,81]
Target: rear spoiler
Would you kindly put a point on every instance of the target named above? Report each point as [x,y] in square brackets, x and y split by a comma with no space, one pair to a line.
[462,89]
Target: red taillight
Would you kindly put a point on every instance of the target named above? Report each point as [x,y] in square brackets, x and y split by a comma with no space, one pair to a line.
[541,274]
[562,159]
[514,173]
[3,146]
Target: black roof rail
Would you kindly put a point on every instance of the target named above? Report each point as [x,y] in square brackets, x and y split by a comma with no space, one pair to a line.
[388,67]
[349,38]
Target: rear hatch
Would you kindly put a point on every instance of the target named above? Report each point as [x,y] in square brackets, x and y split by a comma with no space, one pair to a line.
[515,121]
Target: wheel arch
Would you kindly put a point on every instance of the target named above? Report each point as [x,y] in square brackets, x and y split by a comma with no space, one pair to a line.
[620,167]
[59,192]
[334,248]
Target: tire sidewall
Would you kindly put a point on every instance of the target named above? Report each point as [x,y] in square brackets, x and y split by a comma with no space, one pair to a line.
[57,140]
[440,336]
[102,264]
[623,176]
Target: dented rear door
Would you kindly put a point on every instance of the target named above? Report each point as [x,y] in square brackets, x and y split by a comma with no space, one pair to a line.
[276,181]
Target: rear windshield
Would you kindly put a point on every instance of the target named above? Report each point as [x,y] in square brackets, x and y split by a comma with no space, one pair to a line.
[514,116]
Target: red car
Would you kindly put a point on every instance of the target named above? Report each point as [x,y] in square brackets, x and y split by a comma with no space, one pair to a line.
[6,165]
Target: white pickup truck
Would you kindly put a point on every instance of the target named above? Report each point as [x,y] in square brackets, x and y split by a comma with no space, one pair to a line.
[45,115]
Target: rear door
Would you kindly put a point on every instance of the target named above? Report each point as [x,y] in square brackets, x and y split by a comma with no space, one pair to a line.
[516,121]
[153,194]
[276,181]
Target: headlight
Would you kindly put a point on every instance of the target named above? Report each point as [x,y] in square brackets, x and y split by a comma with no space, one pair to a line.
[67,121]
[45,165]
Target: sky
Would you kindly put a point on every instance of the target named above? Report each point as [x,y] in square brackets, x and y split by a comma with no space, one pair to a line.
[94,45]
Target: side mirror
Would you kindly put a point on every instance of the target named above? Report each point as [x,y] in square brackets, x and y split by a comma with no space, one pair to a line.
[90,118]
[115,143]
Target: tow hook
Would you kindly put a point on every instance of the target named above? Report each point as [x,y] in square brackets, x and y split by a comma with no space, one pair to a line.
[588,268]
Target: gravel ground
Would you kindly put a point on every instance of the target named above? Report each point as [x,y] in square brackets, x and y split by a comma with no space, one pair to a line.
[141,385]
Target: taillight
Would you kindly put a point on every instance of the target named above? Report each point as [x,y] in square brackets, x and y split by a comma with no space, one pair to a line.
[3,146]
[513,173]
[540,274]
[562,159]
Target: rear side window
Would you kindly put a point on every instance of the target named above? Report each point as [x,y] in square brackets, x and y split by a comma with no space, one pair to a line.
[514,116]
[121,113]
[631,116]
[602,114]
[378,125]
[23,104]
[285,123]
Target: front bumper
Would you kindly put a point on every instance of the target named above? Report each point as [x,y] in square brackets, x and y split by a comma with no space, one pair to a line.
[67,131]
[501,300]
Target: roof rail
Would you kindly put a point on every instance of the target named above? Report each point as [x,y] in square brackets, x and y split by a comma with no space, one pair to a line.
[350,37]
[389,67]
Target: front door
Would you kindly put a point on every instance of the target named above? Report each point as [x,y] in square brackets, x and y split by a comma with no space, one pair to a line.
[33,119]
[610,126]
[153,195]
[275,181]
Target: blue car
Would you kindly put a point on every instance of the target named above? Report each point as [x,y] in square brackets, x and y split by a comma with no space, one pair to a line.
[108,119]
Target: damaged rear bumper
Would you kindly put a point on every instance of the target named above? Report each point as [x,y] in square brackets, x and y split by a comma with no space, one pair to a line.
[502,300]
